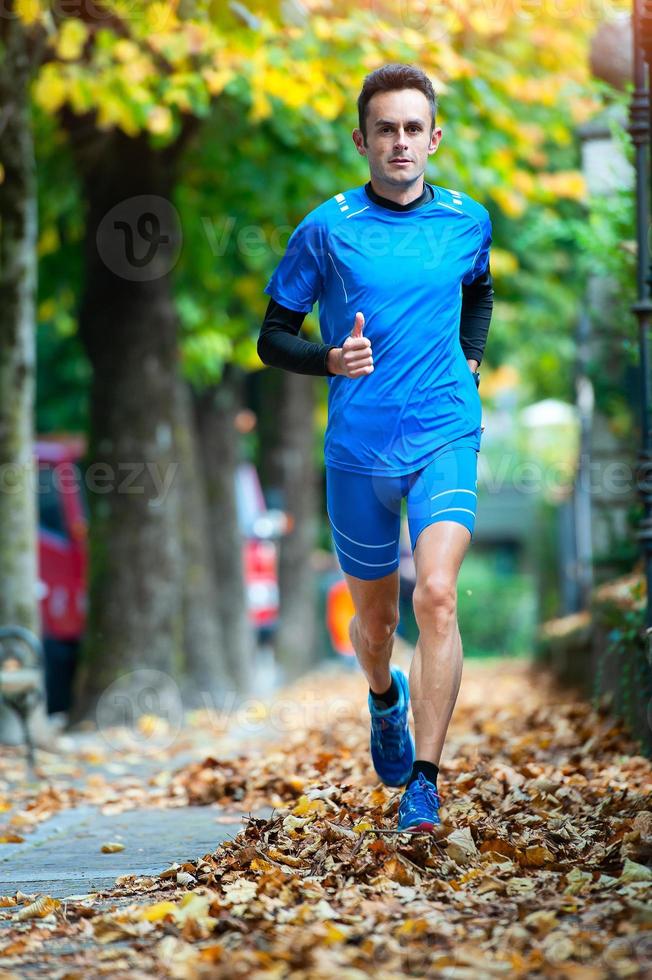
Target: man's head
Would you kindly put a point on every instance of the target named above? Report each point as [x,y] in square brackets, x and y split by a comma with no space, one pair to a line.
[397,131]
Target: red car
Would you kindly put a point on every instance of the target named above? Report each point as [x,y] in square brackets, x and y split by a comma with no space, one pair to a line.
[63,557]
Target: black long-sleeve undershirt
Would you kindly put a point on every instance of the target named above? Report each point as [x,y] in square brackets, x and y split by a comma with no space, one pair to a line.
[279,344]
[475,317]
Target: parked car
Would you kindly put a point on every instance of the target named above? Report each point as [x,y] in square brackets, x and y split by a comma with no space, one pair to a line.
[63,557]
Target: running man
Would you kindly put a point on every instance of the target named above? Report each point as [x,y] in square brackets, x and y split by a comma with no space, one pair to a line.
[400,269]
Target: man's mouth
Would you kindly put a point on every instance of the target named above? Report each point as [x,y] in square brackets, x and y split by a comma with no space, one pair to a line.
[400,160]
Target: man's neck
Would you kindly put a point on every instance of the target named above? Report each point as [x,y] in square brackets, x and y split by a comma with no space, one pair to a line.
[399,195]
[415,202]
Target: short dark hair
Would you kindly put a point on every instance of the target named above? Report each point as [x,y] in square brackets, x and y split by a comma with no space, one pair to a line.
[390,78]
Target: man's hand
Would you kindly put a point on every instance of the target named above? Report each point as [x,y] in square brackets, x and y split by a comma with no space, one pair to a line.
[354,359]
[473,365]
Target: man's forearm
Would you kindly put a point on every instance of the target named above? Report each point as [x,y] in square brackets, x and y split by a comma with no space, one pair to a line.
[477,307]
[280,346]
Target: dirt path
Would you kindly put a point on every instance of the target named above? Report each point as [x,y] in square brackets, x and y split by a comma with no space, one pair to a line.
[541,867]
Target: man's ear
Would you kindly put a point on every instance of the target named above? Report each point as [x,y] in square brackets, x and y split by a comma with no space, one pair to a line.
[358,139]
[435,140]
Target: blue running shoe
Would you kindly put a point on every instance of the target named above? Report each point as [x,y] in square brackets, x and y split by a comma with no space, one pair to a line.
[392,748]
[419,806]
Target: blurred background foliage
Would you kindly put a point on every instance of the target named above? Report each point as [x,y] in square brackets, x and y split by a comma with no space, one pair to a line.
[276,91]
[272,88]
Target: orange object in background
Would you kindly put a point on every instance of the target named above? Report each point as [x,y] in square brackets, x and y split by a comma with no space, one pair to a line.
[339,612]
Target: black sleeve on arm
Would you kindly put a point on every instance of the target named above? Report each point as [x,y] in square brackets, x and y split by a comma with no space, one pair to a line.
[477,306]
[279,344]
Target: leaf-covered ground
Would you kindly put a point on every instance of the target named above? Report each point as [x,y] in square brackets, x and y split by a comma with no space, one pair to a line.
[542,866]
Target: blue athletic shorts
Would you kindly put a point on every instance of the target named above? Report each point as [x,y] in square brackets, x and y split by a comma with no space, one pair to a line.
[364,510]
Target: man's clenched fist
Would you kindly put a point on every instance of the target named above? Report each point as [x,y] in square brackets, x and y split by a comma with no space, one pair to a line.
[354,359]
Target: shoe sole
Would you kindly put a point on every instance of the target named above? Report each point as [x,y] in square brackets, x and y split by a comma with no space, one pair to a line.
[424,826]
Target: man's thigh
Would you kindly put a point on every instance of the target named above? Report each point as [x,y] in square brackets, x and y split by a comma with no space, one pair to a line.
[441,513]
[365,518]
[440,551]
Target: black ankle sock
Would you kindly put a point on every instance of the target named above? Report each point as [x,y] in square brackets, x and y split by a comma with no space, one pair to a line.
[388,699]
[429,770]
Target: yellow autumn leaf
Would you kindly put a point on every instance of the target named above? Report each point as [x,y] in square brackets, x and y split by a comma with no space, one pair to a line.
[259,865]
[503,263]
[10,838]
[160,16]
[282,858]
[333,934]
[363,825]
[536,856]
[261,107]
[72,37]
[158,911]
[306,807]
[217,79]
[412,927]
[50,88]
[193,907]
[513,204]
[43,906]
[126,51]
[566,183]
[112,847]
[29,11]
[160,120]
[329,105]
[377,797]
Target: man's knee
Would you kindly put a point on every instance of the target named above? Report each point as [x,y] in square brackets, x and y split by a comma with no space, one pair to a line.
[377,627]
[435,598]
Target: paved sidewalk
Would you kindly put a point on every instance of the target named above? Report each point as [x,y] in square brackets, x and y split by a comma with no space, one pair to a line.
[133,807]
[128,771]
[153,839]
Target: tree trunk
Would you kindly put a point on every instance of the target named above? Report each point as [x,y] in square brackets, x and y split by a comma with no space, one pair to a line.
[128,325]
[288,450]
[215,411]
[203,645]
[18,273]
[18,270]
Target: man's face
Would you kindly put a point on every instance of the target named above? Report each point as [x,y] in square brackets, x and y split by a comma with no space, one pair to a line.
[399,140]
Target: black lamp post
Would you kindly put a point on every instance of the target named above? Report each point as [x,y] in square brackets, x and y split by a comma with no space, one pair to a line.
[639,129]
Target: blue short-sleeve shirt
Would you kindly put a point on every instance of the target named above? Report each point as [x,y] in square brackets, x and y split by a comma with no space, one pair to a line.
[404,271]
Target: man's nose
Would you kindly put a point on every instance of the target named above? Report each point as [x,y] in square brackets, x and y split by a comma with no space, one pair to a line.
[401,139]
